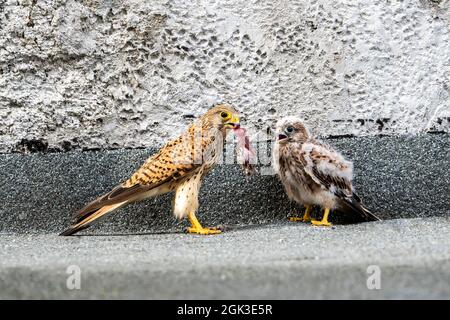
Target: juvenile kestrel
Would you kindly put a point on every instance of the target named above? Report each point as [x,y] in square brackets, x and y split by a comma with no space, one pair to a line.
[179,166]
[312,173]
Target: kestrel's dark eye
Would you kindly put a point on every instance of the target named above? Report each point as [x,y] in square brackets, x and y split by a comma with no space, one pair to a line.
[289,129]
[224,115]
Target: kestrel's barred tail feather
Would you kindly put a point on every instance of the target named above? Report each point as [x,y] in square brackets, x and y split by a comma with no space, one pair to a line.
[354,205]
[88,218]
[370,216]
[117,197]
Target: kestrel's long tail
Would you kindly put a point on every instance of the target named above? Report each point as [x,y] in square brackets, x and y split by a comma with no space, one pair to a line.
[369,215]
[86,220]
[355,205]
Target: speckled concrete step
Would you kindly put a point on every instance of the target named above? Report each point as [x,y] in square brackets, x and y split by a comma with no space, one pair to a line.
[402,258]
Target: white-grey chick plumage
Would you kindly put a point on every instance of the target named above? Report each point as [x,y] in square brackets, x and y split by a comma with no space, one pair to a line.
[312,172]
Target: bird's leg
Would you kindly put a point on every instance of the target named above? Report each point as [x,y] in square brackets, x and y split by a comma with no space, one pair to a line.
[197,227]
[324,221]
[306,217]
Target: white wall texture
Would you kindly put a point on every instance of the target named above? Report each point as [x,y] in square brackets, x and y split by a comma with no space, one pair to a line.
[131,73]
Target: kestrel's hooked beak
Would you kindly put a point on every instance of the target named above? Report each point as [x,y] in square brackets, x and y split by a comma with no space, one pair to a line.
[233,123]
[281,136]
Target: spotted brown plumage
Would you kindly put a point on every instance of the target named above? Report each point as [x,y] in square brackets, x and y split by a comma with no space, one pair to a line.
[179,166]
[313,173]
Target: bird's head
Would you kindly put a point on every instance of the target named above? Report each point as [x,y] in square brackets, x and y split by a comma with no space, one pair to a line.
[291,129]
[222,117]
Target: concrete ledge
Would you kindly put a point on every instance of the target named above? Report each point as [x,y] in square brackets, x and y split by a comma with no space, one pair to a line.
[398,177]
[283,261]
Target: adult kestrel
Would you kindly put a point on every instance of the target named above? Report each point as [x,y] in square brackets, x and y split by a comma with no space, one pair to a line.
[312,173]
[179,166]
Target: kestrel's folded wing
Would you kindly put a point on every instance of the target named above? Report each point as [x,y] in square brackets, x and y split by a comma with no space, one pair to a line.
[333,173]
[328,168]
[164,167]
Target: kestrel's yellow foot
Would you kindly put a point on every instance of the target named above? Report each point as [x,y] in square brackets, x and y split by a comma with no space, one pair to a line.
[324,221]
[306,217]
[197,227]
[204,231]
[321,223]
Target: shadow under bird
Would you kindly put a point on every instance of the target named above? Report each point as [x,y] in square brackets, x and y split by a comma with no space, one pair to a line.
[312,173]
[179,166]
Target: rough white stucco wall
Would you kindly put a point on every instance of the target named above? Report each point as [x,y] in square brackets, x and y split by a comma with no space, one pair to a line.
[124,73]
